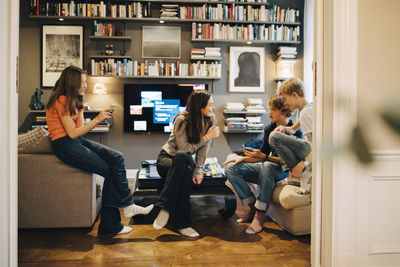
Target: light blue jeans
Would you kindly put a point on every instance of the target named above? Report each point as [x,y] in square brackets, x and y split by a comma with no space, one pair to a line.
[265,174]
[290,149]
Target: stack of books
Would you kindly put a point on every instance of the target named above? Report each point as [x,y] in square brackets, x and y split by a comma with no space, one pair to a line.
[212,52]
[169,11]
[197,53]
[287,52]
[255,105]
[40,122]
[235,124]
[254,110]
[284,66]
[233,107]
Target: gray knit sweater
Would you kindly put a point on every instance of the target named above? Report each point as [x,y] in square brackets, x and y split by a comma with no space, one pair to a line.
[178,140]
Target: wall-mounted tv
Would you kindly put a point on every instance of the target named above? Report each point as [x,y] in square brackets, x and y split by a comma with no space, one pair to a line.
[153,107]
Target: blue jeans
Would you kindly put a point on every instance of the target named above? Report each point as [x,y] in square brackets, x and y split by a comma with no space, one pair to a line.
[265,174]
[97,158]
[290,149]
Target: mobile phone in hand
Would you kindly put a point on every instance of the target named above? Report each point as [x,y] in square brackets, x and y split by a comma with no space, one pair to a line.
[248,148]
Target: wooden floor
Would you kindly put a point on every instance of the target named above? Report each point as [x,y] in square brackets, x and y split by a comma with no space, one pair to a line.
[222,243]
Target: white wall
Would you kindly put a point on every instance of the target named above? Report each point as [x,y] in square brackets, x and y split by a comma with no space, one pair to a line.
[9,23]
[379,67]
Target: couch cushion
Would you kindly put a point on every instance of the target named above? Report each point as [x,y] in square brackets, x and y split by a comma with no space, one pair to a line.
[36,141]
[288,198]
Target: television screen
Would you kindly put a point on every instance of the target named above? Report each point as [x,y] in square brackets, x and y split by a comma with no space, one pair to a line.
[153,107]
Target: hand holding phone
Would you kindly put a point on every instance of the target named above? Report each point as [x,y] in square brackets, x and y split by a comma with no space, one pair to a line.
[248,148]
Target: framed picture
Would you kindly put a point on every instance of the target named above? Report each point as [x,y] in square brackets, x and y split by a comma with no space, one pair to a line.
[246,69]
[161,42]
[62,46]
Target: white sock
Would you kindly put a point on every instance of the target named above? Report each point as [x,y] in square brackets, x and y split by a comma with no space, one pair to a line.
[161,220]
[188,231]
[305,181]
[125,230]
[134,209]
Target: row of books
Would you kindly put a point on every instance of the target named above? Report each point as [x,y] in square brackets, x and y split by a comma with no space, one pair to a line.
[220,31]
[102,9]
[113,67]
[103,29]
[240,13]
[206,52]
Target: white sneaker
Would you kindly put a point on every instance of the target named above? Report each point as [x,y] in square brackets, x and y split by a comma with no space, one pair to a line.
[125,230]
[189,232]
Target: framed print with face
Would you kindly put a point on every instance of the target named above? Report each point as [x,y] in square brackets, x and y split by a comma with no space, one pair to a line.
[246,69]
[62,46]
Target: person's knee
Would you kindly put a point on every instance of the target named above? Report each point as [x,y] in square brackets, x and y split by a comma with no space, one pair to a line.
[267,171]
[182,156]
[274,138]
[118,157]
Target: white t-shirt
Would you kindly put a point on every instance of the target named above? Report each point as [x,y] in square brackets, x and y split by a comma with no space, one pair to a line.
[306,121]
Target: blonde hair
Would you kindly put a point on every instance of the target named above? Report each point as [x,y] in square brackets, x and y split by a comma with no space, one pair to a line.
[292,85]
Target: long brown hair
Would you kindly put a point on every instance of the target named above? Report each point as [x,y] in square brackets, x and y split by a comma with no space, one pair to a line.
[196,124]
[69,84]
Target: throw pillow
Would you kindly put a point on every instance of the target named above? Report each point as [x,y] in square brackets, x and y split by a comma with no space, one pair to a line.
[36,141]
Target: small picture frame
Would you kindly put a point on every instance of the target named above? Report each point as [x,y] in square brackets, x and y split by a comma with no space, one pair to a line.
[161,42]
[62,46]
[246,69]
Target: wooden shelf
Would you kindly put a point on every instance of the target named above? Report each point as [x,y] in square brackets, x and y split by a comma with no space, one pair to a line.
[246,41]
[207,58]
[106,56]
[244,112]
[243,132]
[118,38]
[159,77]
[176,20]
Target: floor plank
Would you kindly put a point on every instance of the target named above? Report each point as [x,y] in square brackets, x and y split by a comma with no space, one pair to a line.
[222,243]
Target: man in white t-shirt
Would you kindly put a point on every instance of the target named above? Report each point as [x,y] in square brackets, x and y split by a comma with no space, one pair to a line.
[291,150]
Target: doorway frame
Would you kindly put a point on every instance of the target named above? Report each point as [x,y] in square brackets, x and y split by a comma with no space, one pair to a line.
[333,240]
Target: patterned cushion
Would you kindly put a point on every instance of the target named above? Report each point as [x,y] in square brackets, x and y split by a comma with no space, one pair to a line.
[35,141]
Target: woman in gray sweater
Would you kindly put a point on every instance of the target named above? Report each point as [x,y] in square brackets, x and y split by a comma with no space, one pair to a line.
[192,134]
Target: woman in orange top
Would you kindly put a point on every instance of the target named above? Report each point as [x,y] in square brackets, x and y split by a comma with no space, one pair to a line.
[65,121]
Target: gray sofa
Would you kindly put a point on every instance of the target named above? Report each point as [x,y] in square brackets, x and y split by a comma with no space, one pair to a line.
[52,194]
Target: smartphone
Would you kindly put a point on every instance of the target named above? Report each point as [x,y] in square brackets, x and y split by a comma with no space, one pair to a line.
[248,148]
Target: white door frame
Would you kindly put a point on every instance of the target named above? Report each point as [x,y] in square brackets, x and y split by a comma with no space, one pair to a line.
[9,32]
[334,221]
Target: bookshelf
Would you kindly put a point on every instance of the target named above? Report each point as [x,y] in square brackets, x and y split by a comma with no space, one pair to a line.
[215,22]
[39,119]
[239,121]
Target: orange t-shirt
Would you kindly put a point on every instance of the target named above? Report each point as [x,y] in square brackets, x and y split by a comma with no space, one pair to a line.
[53,117]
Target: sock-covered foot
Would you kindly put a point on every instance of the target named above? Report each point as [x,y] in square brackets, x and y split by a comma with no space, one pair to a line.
[189,232]
[161,220]
[246,217]
[134,209]
[125,230]
[257,224]
[305,181]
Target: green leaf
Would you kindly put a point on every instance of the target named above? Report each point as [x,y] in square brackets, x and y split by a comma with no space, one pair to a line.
[392,119]
[360,147]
